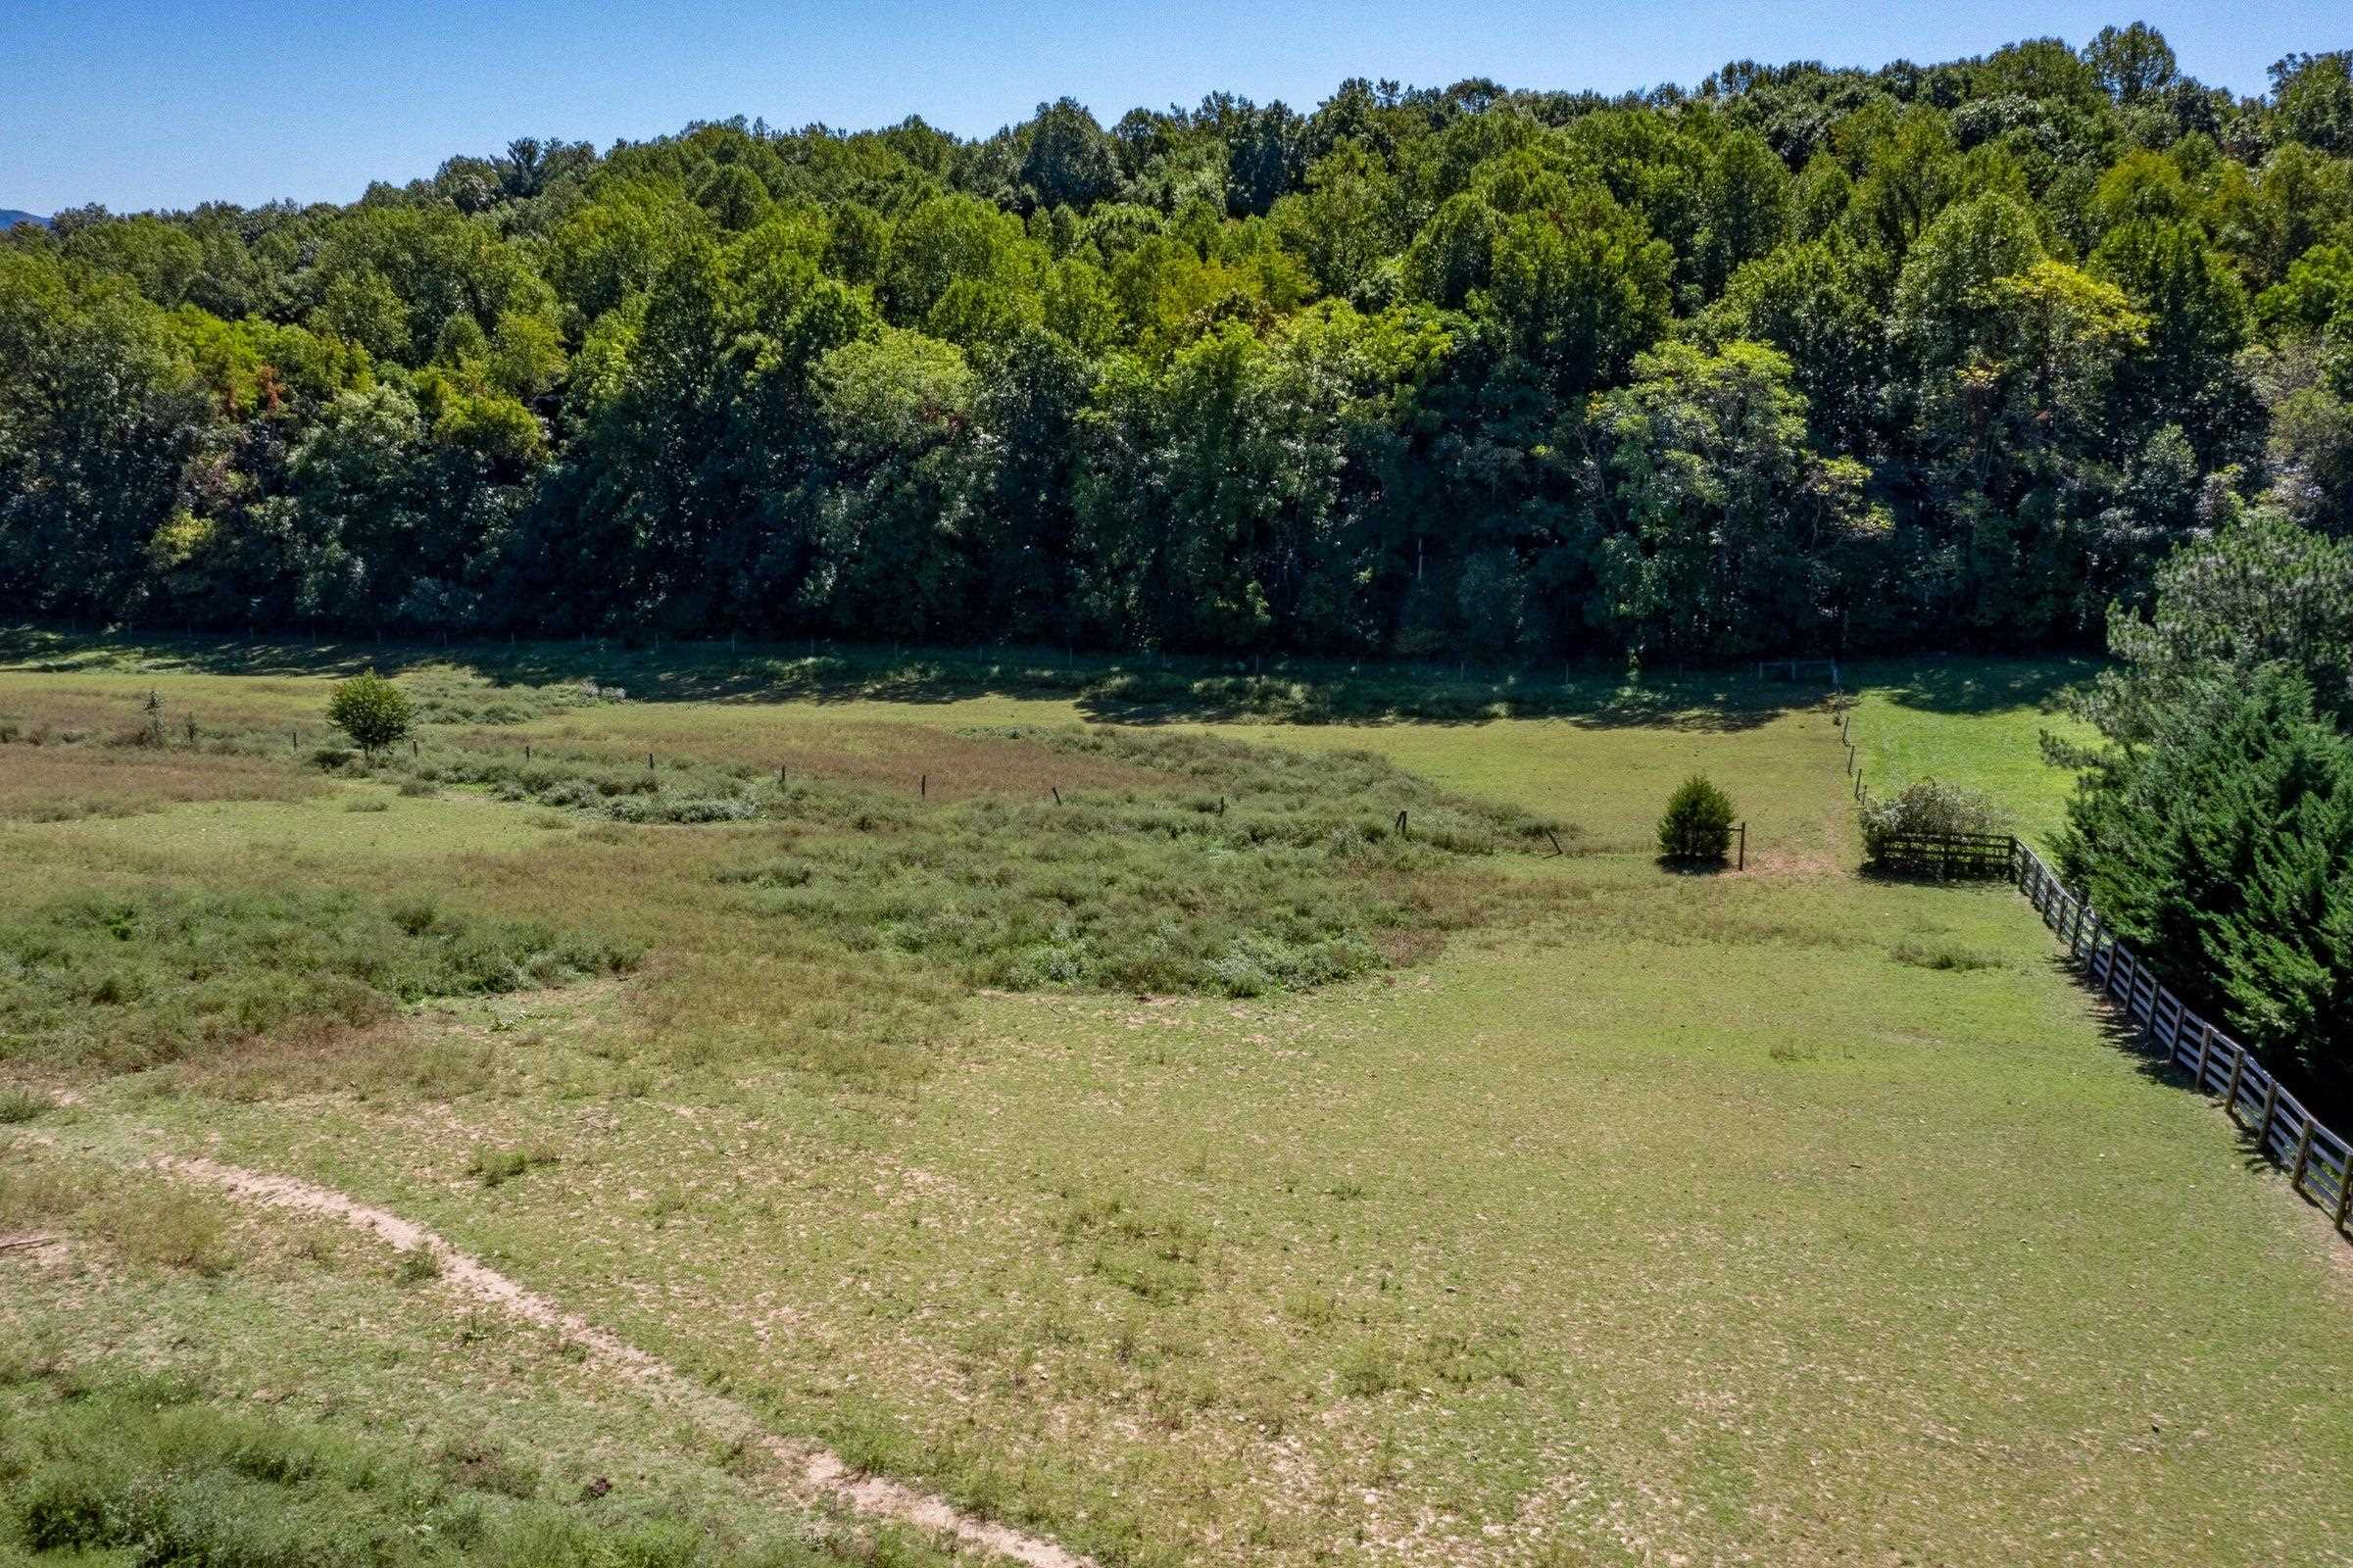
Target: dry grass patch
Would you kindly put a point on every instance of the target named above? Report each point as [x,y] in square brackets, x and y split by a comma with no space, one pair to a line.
[61,782]
[896,759]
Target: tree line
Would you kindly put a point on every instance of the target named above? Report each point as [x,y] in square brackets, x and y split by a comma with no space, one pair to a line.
[1799,360]
[2213,827]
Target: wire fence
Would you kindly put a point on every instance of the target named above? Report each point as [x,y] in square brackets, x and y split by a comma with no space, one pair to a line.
[2319,1162]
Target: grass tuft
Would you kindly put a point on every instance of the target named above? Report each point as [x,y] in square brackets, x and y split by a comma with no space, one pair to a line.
[1941,955]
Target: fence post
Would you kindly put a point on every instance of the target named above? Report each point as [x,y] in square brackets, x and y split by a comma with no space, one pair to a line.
[2239,1065]
[1743,865]
[2344,1190]
[2295,1174]
[2271,1103]
[2205,1039]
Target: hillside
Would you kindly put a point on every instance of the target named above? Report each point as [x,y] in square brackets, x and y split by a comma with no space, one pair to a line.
[1791,361]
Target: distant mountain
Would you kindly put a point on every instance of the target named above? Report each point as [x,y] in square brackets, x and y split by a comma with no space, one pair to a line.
[10,217]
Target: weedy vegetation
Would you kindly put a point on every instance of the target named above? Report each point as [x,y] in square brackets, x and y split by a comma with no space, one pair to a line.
[1209,1140]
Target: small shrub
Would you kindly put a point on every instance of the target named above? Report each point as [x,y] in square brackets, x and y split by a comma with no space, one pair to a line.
[416,788]
[367,803]
[372,711]
[18,1106]
[1698,826]
[1932,807]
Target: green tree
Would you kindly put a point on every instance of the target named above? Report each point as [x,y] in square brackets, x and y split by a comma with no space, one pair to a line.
[374,712]
[1722,531]
[2312,96]
[1696,828]
[2263,592]
[2221,844]
[2131,62]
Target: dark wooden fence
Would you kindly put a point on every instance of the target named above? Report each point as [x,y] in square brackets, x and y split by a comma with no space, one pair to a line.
[1945,855]
[2319,1162]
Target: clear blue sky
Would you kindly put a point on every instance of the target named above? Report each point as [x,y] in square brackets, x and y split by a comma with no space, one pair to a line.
[147,103]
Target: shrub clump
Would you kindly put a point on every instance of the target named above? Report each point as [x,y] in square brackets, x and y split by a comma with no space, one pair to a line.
[1698,826]
[372,711]
[1930,807]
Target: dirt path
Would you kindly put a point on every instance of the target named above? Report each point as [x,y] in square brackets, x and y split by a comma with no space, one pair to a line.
[815,1470]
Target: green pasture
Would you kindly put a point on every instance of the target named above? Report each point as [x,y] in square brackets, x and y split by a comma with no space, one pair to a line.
[1614,1216]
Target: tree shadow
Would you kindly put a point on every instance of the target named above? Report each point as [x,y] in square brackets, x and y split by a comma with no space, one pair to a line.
[1977,685]
[1103,689]
[2124,1033]
[1915,877]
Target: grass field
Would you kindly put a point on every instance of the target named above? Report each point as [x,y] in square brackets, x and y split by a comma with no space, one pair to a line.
[1973,722]
[1178,1184]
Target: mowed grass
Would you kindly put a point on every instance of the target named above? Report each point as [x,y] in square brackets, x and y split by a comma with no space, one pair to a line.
[1780,1216]
[1971,721]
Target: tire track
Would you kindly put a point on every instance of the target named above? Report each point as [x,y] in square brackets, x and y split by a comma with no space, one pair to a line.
[817,1471]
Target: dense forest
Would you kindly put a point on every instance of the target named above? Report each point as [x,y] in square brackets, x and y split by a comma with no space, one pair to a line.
[1801,359]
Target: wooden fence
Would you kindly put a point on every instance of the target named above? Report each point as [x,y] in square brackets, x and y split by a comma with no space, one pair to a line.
[2318,1162]
[1946,855]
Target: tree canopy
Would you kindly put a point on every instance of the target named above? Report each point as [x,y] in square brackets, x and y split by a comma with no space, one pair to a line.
[1798,359]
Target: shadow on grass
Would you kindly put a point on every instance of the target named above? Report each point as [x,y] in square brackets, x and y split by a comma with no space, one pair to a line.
[1915,877]
[2126,1034]
[1976,685]
[1130,690]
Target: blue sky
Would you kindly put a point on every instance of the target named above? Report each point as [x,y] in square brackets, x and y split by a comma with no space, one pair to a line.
[144,103]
